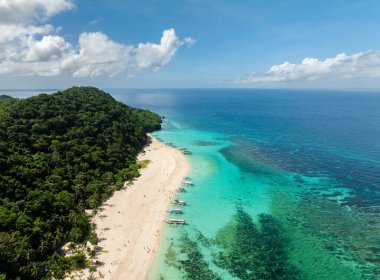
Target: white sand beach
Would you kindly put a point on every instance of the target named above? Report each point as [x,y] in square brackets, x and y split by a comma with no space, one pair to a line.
[129,224]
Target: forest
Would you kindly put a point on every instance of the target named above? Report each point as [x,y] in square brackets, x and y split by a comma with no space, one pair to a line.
[61,154]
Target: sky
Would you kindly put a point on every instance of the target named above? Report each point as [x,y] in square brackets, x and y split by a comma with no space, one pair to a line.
[190,43]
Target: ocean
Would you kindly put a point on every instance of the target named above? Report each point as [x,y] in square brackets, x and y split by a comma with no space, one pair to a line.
[286,183]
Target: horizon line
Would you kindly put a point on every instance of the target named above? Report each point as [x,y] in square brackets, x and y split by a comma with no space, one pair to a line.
[194,88]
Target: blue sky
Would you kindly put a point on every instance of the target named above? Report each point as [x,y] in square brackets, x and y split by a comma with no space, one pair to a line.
[273,43]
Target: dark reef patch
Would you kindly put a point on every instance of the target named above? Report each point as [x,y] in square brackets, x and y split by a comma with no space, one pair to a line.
[205,143]
[189,259]
[242,249]
[254,251]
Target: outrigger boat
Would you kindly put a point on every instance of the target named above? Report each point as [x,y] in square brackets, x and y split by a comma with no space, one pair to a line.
[175,222]
[188,183]
[175,211]
[181,190]
[179,202]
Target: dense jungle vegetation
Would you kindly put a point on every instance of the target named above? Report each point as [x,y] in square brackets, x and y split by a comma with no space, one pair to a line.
[60,154]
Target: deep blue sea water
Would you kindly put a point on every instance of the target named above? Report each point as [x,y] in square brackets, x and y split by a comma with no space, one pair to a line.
[286,183]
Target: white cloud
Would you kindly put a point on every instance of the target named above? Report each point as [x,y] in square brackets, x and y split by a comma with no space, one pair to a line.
[25,11]
[189,41]
[99,55]
[10,32]
[49,48]
[29,46]
[362,65]
[155,56]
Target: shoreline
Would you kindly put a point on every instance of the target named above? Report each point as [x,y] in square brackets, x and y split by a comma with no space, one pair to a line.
[130,223]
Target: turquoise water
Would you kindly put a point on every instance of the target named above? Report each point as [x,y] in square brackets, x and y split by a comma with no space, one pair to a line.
[286,183]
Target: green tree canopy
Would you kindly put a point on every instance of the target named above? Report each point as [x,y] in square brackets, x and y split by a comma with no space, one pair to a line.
[60,154]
